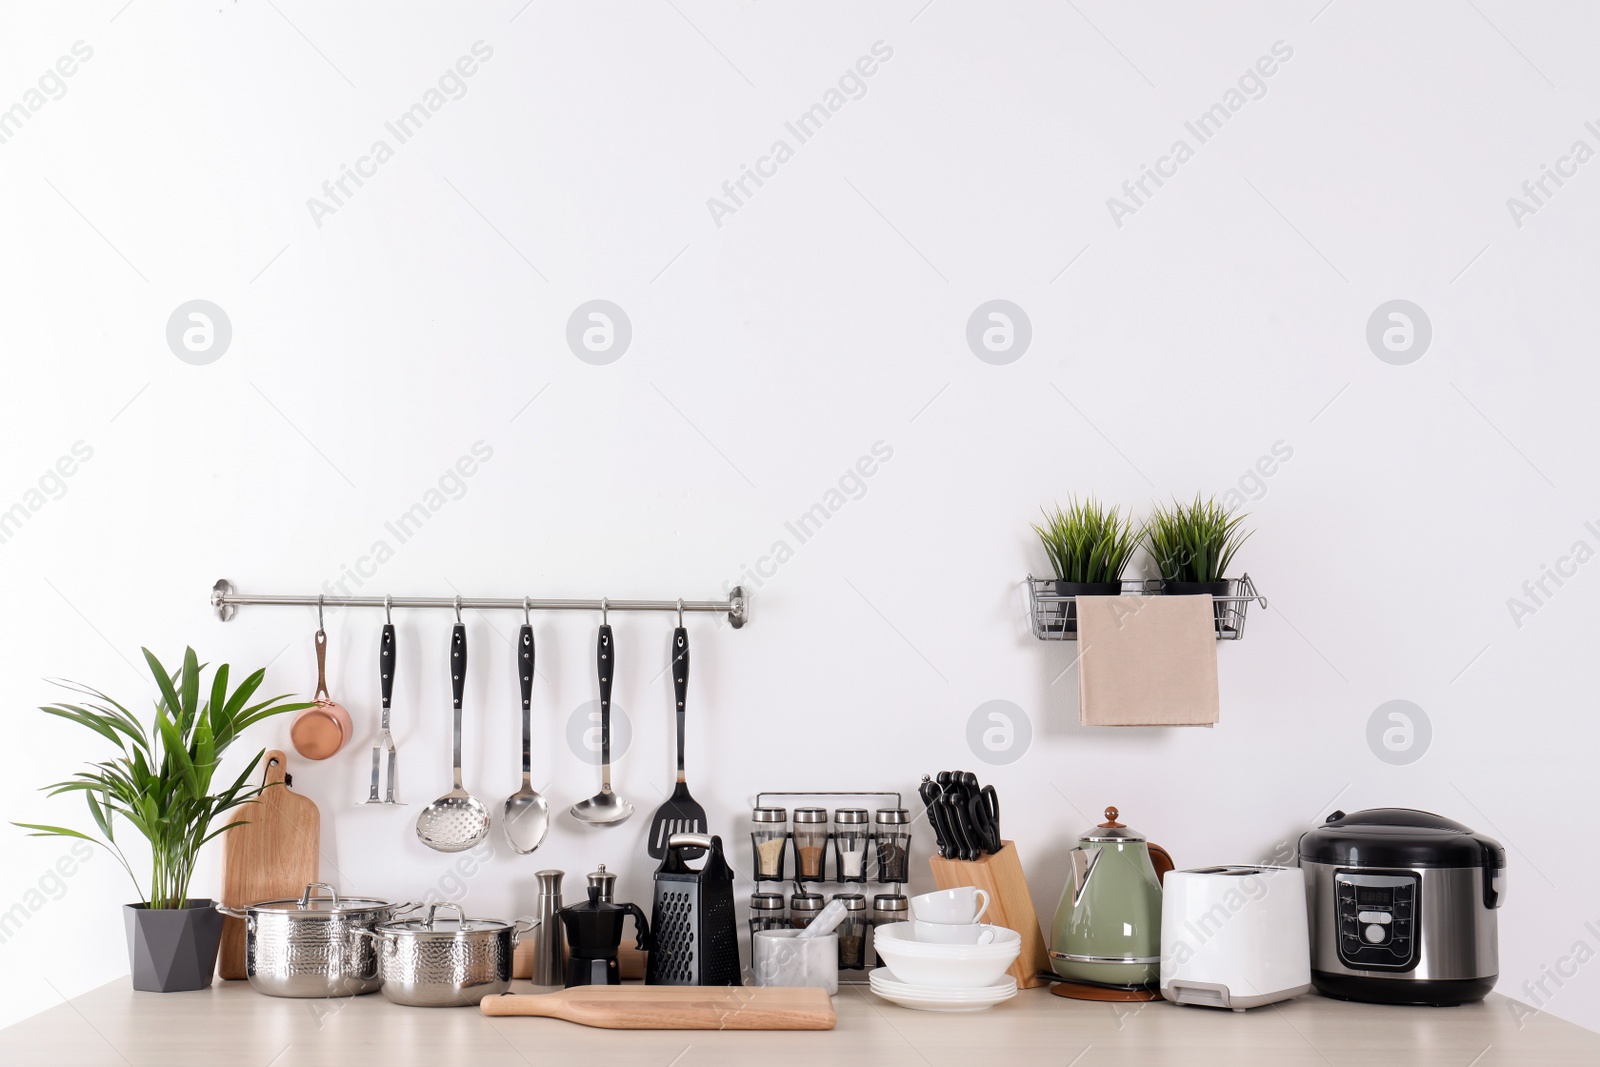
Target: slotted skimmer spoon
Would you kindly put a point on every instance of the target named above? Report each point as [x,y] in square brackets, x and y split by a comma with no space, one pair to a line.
[458,820]
[605,808]
[527,816]
[681,814]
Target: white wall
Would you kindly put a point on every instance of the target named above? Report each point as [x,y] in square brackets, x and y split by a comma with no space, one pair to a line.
[828,312]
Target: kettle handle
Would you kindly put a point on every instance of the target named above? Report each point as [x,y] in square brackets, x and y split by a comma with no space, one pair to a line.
[644,942]
[1161,861]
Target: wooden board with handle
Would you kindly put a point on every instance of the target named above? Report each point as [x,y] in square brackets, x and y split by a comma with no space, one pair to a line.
[1010,905]
[272,857]
[628,1007]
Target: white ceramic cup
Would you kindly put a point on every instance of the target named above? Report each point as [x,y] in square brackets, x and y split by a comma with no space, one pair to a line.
[965,904]
[953,933]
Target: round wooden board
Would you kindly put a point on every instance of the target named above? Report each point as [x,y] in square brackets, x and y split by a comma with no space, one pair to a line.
[1084,991]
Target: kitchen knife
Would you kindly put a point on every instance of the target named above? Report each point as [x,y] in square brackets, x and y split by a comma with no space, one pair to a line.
[956,819]
[985,811]
[929,791]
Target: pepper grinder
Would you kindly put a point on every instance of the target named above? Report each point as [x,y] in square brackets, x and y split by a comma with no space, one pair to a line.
[548,939]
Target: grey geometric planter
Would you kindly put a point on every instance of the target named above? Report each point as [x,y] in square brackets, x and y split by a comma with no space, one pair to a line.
[172,950]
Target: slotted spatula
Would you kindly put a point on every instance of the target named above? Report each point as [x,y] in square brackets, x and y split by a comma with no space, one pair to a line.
[681,814]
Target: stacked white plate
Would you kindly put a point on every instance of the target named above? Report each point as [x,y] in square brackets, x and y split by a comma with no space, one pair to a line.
[940,998]
[942,977]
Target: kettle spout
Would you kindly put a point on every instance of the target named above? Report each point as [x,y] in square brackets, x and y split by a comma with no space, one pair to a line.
[1084,862]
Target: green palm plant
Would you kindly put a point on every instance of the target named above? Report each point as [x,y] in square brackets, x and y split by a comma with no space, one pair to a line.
[1195,542]
[160,781]
[1087,542]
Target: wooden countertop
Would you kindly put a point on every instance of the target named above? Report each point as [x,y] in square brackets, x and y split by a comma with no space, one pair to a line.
[229,1024]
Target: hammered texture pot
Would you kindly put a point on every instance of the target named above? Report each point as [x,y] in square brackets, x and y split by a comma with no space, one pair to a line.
[446,964]
[314,946]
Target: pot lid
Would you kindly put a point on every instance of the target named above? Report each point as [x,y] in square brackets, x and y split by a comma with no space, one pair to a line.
[1399,838]
[1112,830]
[432,924]
[332,904]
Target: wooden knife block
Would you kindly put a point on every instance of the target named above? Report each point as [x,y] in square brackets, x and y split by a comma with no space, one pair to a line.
[1010,905]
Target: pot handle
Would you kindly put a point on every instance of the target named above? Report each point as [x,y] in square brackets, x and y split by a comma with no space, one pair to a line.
[305,898]
[377,964]
[522,927]
[461,916]
[230,910]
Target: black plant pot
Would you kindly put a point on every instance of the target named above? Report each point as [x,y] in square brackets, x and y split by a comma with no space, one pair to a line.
[1067,611]
[1173,587]
[173,949]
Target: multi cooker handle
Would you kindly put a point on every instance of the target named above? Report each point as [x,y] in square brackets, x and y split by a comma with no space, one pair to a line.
[1494,886]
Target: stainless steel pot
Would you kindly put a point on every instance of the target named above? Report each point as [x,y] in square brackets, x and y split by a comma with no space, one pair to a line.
[313,946]
[446,963]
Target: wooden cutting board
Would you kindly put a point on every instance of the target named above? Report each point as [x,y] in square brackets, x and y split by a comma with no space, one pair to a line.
[625,1007]
[272,857]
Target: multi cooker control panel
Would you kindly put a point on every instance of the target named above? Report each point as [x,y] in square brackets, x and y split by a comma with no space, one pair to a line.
[1377,919]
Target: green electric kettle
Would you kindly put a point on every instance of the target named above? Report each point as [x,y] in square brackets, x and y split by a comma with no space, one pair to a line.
[1107,930]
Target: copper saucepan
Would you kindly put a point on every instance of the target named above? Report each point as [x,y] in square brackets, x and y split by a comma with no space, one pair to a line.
[322,729]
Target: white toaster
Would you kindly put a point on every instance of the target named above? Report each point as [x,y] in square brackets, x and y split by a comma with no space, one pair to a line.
[1234,937]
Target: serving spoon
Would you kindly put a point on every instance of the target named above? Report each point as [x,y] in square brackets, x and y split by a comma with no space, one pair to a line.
[605,808]
[527,816]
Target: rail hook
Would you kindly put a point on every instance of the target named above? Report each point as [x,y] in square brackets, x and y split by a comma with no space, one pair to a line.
[458,609]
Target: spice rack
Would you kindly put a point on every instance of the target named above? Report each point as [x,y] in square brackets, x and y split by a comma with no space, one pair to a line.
[865,845]
[1052,614]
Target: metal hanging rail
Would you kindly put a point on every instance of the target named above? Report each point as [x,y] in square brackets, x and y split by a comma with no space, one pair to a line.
[226,603]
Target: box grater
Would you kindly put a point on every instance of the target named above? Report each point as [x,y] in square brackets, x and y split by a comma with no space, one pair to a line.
[696,939]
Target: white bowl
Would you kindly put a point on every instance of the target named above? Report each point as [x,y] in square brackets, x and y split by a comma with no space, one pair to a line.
[919,963]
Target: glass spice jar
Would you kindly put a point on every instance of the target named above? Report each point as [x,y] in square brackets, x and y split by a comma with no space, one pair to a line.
[892,834]
[851,842]
[767,912]
[810,844]
[769,832]
[804,907]
[888,908]
[853,932]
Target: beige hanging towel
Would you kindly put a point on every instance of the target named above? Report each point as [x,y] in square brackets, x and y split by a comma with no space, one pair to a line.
[1147,661]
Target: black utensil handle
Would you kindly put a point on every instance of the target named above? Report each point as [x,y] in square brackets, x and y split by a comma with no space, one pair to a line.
[386,664]
[605,660]
[644,942]
[988,835]
[941,836]
[458,664]
[525,676]
[680,683]
[958,828]
[953,835]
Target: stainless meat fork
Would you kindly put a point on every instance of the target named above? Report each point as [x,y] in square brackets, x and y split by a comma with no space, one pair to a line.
[385,744]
